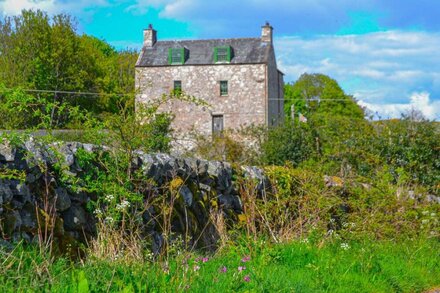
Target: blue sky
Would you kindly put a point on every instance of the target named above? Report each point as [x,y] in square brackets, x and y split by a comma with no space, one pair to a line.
[384,52]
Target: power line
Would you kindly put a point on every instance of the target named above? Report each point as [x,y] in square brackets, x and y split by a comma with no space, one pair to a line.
[127,94]
[346,100]
[72,93]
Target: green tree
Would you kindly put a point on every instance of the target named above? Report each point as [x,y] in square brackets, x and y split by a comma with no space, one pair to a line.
[47,54]
[317,96]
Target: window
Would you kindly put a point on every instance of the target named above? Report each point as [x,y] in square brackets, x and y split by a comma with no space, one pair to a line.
[223,88]
[217,124]
[177,87]
[222,54]
[176,55]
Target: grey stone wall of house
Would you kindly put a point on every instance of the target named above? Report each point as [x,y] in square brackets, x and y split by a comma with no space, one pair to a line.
[275,92]
[244,105]
[280,96]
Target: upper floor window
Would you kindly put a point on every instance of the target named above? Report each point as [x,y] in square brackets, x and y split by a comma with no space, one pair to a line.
[176,55]
[222,54]
[223,88]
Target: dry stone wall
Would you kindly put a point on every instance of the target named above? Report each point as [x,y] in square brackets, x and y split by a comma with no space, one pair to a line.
[31,181]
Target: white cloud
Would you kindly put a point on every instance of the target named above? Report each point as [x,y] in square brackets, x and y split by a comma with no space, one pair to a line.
[382,69]
[418,100]
[14,7]
[142,6]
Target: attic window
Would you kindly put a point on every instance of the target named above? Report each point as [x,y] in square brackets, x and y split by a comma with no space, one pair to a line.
[176,55]
[222,54]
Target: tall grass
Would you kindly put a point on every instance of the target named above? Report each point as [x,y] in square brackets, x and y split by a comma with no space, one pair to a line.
[302,266]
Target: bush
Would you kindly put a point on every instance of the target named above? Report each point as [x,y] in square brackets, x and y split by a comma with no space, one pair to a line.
[293,142]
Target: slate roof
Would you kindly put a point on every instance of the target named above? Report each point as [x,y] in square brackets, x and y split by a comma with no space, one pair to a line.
[201,52]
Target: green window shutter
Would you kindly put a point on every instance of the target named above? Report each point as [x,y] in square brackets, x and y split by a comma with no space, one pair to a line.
[229,53]
[182,55]
[215,54]
[170,55]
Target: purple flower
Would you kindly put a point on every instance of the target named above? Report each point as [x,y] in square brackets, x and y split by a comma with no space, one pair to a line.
[197,259]
[247,278]
[205,259]
[223,269]
[246,259]
[241,268]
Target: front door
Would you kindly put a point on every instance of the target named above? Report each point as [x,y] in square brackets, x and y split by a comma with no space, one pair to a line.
[217,124]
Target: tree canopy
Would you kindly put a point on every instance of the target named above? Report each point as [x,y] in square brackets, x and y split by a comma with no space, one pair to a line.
[317,96]
[39,52]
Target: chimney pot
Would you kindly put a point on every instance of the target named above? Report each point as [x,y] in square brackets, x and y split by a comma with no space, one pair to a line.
[266,33]
[150,36]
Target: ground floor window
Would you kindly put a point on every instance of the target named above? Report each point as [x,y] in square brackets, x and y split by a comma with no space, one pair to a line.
[177,87]
[217,124]
[223,88]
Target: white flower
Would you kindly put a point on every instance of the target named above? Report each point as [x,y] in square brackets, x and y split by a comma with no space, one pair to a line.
[305,240]
[98,212]
[425,213]
[425,221]
[345,246]
[109,197]
[123,205]
[109,220]
[433,215]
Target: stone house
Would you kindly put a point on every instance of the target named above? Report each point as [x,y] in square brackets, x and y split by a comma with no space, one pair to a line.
[238,78]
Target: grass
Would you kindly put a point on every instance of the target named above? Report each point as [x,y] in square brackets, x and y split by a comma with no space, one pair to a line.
[385,266]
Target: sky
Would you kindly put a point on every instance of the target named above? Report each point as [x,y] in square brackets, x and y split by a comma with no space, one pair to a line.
[386,53]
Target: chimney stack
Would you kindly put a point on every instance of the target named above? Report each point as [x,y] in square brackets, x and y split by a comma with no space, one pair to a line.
[266,33]
[150,36]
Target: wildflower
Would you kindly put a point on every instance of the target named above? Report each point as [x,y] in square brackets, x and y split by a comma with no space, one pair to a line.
[241,268]
[425,213]
[305,240]
[223,269]
[425,221]
[196,268]
[109,220]
[98,212]
[197,259]
[205,259]
[345,246]
[246,259]
[109,197]
[433,215]
[247,278]
[123,205]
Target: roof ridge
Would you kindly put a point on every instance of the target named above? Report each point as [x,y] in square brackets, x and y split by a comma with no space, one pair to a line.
[201,40]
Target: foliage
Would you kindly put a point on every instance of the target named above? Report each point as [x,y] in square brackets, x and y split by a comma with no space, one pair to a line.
[47,54]
[20,110]
[317,96]
[293,142]
[230,146]
[412,149]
